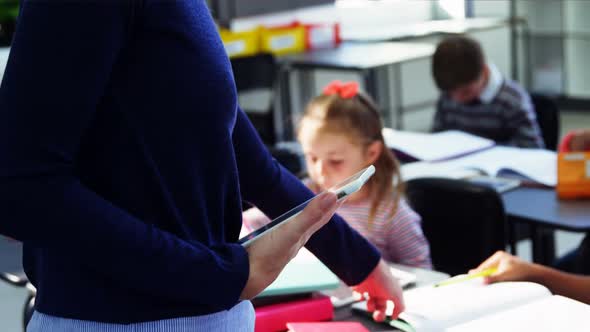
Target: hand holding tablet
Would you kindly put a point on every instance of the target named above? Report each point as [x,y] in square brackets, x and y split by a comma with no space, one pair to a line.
[271,247]
[342,190]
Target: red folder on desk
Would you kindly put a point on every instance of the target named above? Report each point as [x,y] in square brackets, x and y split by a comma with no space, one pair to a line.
[275,317]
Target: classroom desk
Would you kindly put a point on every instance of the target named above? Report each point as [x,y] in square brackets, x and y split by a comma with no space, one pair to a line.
[544,212]
[424,277]
[371,60]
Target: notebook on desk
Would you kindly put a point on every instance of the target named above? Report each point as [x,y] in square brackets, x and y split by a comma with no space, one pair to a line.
[463,305]
[553,313]
[527,165]
[444,145]
[303,274]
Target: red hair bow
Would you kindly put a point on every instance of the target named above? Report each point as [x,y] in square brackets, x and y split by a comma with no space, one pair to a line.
[344,90]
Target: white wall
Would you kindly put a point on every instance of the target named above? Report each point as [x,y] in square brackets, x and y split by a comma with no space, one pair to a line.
[577,48]
[491,8]
[576,16]
[543,16]
[577,71]
[560,44]
[352,14]
[496,46]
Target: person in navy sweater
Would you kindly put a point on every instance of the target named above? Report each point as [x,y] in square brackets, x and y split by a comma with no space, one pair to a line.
[124,160]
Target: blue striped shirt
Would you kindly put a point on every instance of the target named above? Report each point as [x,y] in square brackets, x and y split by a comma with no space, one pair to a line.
[240,318]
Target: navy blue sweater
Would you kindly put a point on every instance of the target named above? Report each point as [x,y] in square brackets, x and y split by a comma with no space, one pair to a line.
[124,159]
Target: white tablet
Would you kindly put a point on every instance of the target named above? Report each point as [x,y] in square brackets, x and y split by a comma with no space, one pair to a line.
[342,190]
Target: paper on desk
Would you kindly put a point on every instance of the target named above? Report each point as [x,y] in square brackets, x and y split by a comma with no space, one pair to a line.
[434,147]
[554,313]
[535,165]
[436,309]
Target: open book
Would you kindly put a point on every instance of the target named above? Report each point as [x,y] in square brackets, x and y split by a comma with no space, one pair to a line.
[473,306]
[433,147]
[533,165]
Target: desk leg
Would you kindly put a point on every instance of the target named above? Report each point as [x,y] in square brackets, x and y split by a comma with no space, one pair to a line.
[543,243]
[377,85]
[283,115]
[548,236]
[303,92]
[306,87]
[397,97]
[511,227]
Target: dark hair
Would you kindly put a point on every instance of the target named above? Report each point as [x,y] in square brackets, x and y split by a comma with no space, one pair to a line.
[359,118]
[457,61]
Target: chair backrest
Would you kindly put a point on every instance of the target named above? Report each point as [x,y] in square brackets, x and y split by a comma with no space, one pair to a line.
[255,72]
[464,222]
[256,80]
[548,119]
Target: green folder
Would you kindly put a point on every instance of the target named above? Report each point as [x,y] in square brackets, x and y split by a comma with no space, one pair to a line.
[304,274]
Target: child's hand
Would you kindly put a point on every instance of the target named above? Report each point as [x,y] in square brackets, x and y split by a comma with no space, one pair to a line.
[381,287]
[508,268]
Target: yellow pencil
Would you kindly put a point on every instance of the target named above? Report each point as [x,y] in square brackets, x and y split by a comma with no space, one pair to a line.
[461,278]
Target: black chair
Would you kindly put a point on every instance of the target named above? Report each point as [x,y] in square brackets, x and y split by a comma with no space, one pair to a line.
[548,119]
[12,273]
[256,80]
[8,15]
[464,222]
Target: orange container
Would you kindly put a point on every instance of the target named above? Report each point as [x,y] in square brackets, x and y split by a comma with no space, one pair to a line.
[573,172]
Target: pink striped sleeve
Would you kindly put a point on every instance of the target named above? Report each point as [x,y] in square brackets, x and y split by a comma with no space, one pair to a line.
[406,243]
[253,219]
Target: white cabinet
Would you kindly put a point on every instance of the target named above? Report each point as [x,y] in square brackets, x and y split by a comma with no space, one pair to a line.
[556,42]
[577,69]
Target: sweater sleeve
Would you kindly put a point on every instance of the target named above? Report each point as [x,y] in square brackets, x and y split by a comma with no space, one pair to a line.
[253,219]
[406,243]
[438,123]
[60,64]
[522,122]
[274,190]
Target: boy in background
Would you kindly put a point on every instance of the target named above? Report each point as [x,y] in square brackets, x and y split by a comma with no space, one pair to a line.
[476,98]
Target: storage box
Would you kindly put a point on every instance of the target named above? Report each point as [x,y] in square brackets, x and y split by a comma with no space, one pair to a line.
[282,40]
[242,43]
[322,35]
[573,174]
